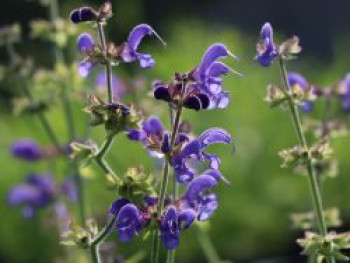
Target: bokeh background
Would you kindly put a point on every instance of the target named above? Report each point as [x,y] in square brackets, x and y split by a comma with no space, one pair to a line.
[253,221]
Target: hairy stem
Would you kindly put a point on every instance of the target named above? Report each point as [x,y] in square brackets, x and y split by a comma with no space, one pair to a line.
[108,66]
[96,242]
[314,187]
[163,188]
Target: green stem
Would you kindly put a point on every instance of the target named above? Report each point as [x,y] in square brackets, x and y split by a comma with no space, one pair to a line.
[314,187]
[58,55]
[163,188]
[45,123]
[96,242]
[207,246]
[108,67]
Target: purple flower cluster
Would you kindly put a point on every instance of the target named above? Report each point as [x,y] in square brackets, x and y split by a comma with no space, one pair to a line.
[194,204]
[39,191]
[266,48]
[157,141]
[199,89]
[126,52]
[202,87]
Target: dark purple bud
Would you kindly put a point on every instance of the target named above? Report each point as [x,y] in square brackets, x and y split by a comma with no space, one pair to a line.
[192,102]
[162,93]
[165,147]
[27,150]
[83,14]
[204,100]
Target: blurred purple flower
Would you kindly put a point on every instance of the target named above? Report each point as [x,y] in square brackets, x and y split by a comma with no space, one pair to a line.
[129,52]
[36,192]
[345,93]
[27,150]
[118,86]
[85,45]
[266,49]
[69,189]
[297,80]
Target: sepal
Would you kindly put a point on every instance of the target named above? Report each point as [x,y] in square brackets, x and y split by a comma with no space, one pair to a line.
[290,48]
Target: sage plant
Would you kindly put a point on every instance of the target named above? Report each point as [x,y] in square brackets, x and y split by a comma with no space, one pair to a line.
[296,94]
[139,205]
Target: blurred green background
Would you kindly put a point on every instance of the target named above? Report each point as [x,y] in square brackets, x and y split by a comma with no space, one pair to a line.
[252,223]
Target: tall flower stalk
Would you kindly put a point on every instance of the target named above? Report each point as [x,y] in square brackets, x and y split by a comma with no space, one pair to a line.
[295,96]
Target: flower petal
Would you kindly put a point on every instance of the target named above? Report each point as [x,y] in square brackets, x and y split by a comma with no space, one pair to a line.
[186,218]
[117,205]
[153,126]
[85,68]
[197,186]
[297,79]
[138,33]
[85,42]
[214,135]
[208,205]
[213,53]
[27,150]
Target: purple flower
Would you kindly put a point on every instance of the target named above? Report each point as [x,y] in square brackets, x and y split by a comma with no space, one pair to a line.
[345,93]
[173,223]
[204,205]
[154,137]
[266,49]
[205,90]
[27,150]
[130,54]
[129,219]
[298,81]
[118,87]
[195,150]
[36,192]
[69,189]
[85,45]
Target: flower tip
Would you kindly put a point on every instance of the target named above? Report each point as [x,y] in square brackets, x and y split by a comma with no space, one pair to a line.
[233,55]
